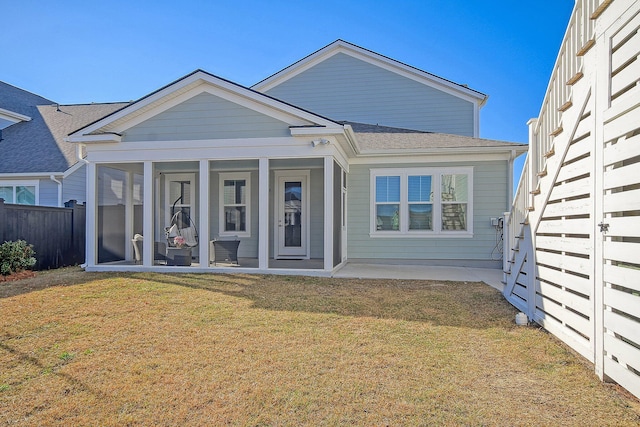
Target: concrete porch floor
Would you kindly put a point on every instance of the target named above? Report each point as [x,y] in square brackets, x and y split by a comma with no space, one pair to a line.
[490,276]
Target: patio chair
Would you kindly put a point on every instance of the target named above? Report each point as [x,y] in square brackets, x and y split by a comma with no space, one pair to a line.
[224,250]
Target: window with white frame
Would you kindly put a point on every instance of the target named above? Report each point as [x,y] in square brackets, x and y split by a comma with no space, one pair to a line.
[19,192]
[415,202]
[235,198]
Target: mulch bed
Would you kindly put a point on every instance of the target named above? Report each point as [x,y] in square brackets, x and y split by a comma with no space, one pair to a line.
[17,276]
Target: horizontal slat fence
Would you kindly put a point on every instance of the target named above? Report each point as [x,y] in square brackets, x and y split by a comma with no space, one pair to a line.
[582,211]
[57,234]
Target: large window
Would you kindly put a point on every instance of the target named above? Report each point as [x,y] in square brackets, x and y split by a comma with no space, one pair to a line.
[22,193]
[235,198]
[421,202]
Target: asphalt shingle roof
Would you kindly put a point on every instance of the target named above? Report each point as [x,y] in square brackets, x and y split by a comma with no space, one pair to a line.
[38,145]
[380,138]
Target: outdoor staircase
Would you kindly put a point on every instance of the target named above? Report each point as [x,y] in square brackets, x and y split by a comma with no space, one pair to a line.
[572,258]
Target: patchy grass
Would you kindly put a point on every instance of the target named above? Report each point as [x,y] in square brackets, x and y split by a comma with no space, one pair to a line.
[159,349]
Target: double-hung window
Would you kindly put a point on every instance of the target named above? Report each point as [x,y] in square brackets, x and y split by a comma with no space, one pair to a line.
[19,192]
[421,202]
[235,198]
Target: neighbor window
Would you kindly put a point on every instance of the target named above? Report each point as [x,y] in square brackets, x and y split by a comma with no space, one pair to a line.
[234,204]
[22,193]
[421,202]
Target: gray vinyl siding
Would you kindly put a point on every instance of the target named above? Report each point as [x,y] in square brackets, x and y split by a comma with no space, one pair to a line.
[489,201]
[74,186]
[206,116]
[48,193]
[345,88]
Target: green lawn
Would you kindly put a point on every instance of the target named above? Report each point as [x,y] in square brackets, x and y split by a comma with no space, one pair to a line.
[161,349]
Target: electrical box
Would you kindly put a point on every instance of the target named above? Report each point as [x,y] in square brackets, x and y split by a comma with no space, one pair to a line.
[495,222]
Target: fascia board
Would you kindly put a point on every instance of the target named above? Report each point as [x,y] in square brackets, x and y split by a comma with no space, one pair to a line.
[25,175]
[95,139]
[453,150]
[374,59]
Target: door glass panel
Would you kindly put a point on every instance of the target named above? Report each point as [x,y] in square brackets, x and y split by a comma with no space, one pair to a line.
[292,214]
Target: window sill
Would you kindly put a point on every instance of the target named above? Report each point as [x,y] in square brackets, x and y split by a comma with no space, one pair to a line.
[238,234]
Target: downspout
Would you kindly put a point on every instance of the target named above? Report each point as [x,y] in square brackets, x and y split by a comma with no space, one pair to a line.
[53,178]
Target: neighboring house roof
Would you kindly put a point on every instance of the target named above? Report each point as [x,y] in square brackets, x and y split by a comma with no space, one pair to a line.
[341,46]
[375,139]
[38,146]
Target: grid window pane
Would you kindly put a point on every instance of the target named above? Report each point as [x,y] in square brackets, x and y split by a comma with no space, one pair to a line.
[387,189]
[420,188]
[235,191]
[420,217]
[455,188]
[454,216]
[387,217]
[235,218]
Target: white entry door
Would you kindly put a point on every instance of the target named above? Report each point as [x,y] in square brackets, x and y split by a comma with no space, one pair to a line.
[292,214]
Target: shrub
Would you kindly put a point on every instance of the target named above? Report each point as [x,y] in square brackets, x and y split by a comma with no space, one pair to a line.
[15,257]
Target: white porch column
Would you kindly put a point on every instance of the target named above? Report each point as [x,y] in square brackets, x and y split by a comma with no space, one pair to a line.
[128,218]
[328,213]
[203,233]
[91,214]
[263,213]
[147,216]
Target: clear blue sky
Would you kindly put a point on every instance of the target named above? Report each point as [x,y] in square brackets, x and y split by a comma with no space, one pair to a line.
[89,51]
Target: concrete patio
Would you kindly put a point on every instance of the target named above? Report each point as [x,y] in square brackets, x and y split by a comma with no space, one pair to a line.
[490,276]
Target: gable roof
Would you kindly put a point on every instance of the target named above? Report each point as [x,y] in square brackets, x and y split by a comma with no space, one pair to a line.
[147,106]
[341,46]
[37,146]
[375,139]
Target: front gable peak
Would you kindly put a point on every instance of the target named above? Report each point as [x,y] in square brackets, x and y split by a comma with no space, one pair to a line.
[207,90]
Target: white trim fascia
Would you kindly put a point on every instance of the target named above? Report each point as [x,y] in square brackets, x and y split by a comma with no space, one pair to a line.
[373,58]
[316,131]
[443,151]
[428,159]
[12,116]
[103,138]
[73,169]
[199,82]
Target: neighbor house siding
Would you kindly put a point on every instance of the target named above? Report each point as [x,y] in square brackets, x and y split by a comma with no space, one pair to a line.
[48,193]
[345,88]
[74,186]
[489,201]
[207,116]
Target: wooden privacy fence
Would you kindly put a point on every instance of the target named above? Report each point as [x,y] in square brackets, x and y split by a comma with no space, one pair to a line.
[573,234]
[57,234]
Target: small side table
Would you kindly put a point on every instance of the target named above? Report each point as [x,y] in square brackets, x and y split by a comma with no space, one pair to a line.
[179,256]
